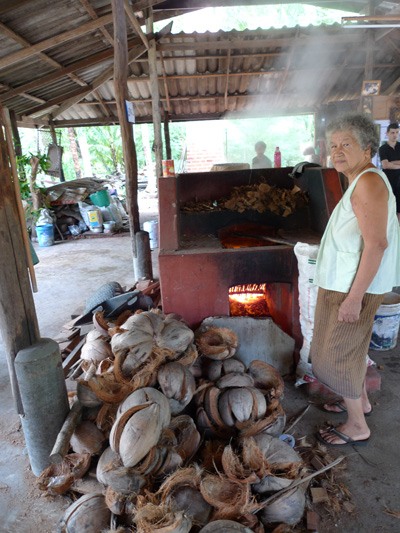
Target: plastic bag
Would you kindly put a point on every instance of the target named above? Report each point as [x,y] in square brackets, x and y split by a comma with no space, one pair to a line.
[306,255]
[45,217]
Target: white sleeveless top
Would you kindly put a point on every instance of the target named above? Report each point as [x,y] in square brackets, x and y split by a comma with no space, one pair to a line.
[342,244]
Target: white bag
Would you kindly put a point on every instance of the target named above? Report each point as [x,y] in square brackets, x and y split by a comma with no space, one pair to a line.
[306,255]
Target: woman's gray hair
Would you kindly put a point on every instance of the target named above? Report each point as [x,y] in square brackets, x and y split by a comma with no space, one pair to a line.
[361,126]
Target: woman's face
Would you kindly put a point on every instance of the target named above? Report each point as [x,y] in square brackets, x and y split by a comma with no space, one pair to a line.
[346,153]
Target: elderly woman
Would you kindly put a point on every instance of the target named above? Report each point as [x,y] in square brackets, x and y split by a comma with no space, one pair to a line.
[358,261]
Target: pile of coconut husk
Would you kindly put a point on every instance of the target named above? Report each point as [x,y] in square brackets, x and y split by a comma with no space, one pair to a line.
[182,437]
[260,197]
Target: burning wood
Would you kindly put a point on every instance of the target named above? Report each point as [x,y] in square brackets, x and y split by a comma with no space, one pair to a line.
[248,300]
[259,197]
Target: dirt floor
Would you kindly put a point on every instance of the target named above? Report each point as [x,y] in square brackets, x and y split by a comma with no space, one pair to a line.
[367,481]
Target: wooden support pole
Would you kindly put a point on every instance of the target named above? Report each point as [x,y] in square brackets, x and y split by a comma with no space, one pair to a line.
[155,95]
[122,96]
[167,136]
[18,321]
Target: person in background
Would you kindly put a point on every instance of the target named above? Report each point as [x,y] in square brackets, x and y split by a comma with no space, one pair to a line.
[389,154]
[261,160]
[358,262]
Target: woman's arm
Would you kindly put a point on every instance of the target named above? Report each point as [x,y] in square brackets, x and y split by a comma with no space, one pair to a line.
[370,205]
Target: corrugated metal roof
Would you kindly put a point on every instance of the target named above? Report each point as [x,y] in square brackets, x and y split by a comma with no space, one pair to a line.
[201,75]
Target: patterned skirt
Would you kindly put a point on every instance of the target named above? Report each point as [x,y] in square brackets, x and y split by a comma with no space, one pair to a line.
[339,349]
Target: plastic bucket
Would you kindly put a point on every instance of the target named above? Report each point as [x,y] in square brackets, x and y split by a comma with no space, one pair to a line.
[386,323]
[45,235]
[100,198]
[151,227]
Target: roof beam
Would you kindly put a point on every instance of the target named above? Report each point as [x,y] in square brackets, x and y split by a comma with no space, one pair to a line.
[135,23]
[89,8]
[106,75]
[34,49]
[26,44]
[233,44]
[56,75]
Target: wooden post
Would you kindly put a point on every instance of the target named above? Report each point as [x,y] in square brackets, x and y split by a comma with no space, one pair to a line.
[121,96]
[18,321]
[155,94]
[167,136]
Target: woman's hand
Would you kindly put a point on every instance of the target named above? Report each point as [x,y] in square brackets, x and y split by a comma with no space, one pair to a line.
[350,309]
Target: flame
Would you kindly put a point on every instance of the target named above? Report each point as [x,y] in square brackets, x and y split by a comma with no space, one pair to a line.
[250,288]
[248,300]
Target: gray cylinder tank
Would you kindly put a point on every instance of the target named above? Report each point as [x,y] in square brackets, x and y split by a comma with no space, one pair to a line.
[44,398]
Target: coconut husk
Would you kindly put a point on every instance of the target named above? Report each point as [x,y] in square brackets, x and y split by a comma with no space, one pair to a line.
[267,378]
[107,389]
[189,356]
[136,431]
[106,417]
[247,465]
[175,336]
[285,464]
[261,426]
[225,526]
[189,476]
[106,365]
[190,501]
[88,513]
[178,385]
[58,478]
[145,375]
[86,395]
[146,395]
[101,324]
[287,508]
[187,436]
[171,463]
[235,379]
[87,438]
[111,472]
[217,343]
[214,370]
[230,498]
[117,502]
[211,455]
[96,347]
[161,519]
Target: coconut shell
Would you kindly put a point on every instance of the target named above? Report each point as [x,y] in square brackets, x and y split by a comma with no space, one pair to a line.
[87,438]
[288,508]
[111,472]
[225,526]
[235,379]
[148,395]
[178,385]
[86,396]
[135,432]
[58,478]
[187,436]
[267,378]
[90,514]
[161,519]
[214,370]
[101,324]
[96,347]
[283,460]
[190,501]
[217,343]
[175,336]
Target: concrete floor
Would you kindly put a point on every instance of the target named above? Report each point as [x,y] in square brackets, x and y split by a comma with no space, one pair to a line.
[70,272]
